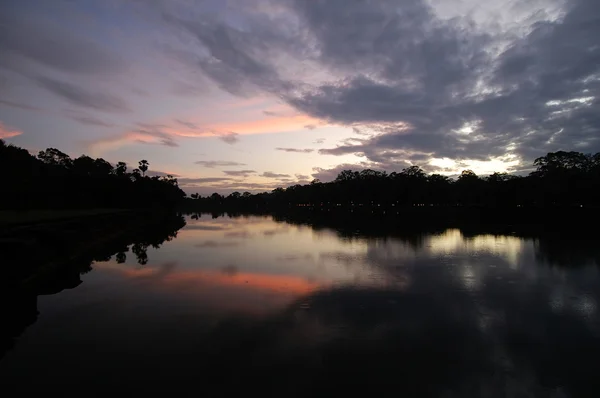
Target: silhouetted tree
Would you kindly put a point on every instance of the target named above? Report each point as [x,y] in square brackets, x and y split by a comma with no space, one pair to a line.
[53,156]
[560,179]
[121,257]
[121,169]
[79,183]
[143,166]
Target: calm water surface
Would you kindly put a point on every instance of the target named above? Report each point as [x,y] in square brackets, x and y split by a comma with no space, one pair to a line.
[262,307]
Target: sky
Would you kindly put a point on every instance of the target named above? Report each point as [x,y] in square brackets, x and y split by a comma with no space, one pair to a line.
[249,95]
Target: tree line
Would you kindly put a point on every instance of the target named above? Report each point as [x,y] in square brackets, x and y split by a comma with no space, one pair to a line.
[560,179]
[53,180]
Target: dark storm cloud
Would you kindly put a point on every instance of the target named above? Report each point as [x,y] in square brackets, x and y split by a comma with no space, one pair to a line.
[552,71]
[218,163]
[295,150]
[420,78]
[270,174]
[429,84]
[402,63]
[81,97]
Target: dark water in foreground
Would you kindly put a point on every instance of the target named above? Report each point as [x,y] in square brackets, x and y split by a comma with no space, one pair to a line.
[253,306]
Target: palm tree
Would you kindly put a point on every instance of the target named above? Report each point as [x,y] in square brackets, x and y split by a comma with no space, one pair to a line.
[143,166]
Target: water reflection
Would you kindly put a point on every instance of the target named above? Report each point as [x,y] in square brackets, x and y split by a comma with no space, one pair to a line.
[325,306]
[63,254]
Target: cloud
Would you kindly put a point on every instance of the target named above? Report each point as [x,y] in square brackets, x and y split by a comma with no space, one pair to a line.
[140,92]
[81,97]
[18,105]
[229,138]
[239,173]
[8,132]
[295,150]
[227,186]
[436,87]
[269,174]
[142,134]
[52,45]
[218,163]
[87,119]
[264,125]
[418,85]
[187,124]
[189,181]
[286,181]
[153,173]
[245,185]
[319,141]
[161,133]
[187,89]
[154,134]
[230,57]
[445,93]
[326,175]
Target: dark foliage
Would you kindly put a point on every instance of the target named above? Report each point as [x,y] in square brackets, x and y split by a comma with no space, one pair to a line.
[561,179]
[54,180]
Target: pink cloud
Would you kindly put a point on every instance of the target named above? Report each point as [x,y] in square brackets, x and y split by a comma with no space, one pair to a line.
[167,133]
[266,124]
[8,132]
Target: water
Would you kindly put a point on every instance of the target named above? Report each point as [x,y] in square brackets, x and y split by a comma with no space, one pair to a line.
[268,307]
